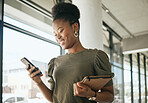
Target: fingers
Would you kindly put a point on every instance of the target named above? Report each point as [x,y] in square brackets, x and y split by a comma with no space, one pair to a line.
[33,74]
[81,89]
[28,67]
[81,85]
[75,87]
[31,70]
[78,91]
[40,75]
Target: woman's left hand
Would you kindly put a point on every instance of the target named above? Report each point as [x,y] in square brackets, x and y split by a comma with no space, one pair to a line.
[82,90]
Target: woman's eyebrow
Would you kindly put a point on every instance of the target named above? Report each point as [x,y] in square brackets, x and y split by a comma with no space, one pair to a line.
[59,28]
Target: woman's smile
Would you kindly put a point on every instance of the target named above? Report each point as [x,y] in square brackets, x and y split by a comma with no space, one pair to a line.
[62,42]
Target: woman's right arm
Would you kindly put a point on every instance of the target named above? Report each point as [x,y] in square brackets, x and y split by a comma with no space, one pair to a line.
[44,89]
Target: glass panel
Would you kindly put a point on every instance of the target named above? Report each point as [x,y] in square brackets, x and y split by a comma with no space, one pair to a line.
[117,56]
[142,79]
[142,89]
[29,28]
[141,65]
[126,64]
[27,14]
[127,86]
[16,81]
[135,87]
[147,85]
[117,59]
[115,40]
[147,66]
[107,50]
[135,64]
[135,79]
[106,38]
[117,80]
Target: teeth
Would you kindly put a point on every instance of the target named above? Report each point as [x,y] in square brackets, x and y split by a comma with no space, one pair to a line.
[61,42]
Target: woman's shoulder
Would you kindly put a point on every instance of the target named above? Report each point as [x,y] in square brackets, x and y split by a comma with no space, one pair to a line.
[89,52]
[60,57]
[96,51]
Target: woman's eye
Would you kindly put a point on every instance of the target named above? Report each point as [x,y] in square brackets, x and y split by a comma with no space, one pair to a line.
[61,30]
[55,34]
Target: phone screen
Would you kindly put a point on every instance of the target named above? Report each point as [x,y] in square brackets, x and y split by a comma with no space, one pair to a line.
[27,62]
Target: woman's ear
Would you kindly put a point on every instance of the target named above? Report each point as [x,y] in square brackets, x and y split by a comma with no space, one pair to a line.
[75,27]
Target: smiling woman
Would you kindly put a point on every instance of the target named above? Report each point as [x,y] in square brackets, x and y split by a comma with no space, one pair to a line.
[67,71]
[66,25]
[64,33]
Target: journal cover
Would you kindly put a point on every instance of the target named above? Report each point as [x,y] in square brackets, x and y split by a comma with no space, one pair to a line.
[96,82]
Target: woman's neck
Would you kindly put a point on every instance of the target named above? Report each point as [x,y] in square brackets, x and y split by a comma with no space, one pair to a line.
[76,48]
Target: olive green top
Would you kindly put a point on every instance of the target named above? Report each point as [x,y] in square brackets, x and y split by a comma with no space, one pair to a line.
[71,68]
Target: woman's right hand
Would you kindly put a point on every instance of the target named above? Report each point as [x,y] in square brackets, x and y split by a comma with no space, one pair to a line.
[36,78]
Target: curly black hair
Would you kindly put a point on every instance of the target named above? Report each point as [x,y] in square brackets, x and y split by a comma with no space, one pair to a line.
[67,12]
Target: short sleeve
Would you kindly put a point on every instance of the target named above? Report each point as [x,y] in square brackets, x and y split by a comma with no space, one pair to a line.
[102,65]
[50,72]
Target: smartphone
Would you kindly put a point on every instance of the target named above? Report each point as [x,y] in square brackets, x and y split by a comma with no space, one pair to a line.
[27,62]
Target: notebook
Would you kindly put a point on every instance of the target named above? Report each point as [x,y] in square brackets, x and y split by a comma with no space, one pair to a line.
[96,83]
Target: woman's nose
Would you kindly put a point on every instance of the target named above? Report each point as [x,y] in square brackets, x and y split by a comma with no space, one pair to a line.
[58,36]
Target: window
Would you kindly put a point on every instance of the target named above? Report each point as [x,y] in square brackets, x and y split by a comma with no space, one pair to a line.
[15,77]
[135,87]
[135,79]
[117,80]
[127,81]
[116,61]
[142,79]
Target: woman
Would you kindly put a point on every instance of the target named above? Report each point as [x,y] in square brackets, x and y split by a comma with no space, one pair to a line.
[67,71]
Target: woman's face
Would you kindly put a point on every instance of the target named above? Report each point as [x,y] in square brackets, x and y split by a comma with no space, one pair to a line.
[64,33]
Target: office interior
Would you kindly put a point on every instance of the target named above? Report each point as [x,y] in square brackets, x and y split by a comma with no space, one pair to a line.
[26,31]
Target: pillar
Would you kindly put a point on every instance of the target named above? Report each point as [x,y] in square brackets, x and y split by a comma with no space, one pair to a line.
[91,35]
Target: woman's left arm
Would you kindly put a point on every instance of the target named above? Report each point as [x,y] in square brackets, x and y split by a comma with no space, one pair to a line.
[105,96]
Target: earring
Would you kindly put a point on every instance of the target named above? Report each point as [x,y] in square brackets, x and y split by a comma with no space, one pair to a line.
[76,34]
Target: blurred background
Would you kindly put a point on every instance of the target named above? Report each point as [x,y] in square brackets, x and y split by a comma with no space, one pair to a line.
[27,32]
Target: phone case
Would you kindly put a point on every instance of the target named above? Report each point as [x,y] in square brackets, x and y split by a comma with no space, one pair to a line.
[27,62]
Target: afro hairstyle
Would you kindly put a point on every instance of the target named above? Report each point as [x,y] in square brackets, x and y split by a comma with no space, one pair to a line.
[67,12]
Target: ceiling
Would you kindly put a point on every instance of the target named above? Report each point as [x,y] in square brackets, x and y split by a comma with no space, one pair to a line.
[131,14]
[47,4]
[128,18]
